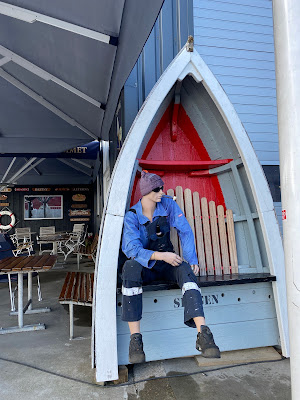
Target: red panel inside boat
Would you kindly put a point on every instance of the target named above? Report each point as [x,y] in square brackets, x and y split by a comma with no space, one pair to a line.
[175,160]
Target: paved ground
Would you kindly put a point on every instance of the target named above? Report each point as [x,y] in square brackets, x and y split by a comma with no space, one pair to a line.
[46,365]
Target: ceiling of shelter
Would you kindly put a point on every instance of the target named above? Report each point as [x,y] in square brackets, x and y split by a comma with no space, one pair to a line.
[63,64]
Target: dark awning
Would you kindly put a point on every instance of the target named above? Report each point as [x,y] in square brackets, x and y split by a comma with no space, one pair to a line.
[88,151]
[62,67]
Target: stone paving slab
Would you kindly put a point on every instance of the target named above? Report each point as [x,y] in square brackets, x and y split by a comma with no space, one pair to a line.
[47,365]
[240,356]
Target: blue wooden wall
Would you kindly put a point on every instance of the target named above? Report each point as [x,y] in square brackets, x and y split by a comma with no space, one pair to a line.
[235,39]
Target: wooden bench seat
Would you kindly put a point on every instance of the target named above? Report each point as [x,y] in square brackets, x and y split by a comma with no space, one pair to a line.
[77,290]
[88,251]
[209,281]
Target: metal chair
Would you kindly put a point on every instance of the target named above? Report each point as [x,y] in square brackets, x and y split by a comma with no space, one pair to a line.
[75,241]
[45,231]
[21,234]
[22,241]
[25,247]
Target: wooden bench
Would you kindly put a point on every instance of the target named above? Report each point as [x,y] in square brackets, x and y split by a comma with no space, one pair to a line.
[88,251]
[77,290]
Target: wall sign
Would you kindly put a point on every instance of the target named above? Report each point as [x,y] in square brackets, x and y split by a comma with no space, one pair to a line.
[79,206]
[78,197]
[6,190]
[3,197]
[4,204]
[41,189]
[79,219]
[74,213]
[43,207]
[62,189]
[83,189]
[21,189]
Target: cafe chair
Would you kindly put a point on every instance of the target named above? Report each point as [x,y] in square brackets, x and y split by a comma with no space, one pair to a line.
[23,234]
[42,238]
[73,244]
[23,248]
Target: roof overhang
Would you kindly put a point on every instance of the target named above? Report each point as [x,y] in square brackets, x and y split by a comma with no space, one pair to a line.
[63,66]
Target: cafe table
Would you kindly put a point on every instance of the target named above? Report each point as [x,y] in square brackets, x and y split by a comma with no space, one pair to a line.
[57,238]
[25,265]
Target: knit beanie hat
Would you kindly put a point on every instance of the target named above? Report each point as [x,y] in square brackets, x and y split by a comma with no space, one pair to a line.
[148,182]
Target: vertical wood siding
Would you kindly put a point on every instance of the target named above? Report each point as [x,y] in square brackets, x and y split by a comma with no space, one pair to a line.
[235,39]
[169,34]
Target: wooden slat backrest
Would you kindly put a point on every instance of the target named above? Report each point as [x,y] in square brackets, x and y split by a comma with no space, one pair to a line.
[173,233]
[47,230]
[232,242]
[199,234]
[22,233]
[207,237]
[214,235]
[223,240]
[78,227]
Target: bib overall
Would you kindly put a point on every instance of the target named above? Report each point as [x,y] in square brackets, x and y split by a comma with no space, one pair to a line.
[134,275]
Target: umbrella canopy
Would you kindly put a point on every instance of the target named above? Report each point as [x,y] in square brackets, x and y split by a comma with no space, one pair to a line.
[62,67]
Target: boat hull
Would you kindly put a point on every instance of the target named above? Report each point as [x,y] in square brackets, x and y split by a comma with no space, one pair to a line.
[241,186]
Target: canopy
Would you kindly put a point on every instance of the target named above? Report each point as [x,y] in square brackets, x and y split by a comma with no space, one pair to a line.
[62,67]
[88,151]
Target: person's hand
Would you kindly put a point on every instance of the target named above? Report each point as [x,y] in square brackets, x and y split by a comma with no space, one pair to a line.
[170,258]
[195,269]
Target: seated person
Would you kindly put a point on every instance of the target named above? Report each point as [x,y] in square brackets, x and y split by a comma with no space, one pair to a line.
[146,242]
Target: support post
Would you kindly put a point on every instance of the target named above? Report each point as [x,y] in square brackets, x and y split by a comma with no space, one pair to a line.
[29,293]
[71,312]
[20,299]
[287,59]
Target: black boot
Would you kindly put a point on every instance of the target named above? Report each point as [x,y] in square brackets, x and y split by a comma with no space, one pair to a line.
[206,344]
[136,352]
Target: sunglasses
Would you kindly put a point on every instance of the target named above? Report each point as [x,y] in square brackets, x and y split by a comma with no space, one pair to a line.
[158,189]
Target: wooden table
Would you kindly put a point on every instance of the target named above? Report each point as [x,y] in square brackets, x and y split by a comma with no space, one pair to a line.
[25,265]
[55,238]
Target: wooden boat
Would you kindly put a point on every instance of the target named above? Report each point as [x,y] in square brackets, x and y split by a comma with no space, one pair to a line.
[188,132]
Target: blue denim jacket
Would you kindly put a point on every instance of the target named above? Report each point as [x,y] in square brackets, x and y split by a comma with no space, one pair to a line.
[135,238]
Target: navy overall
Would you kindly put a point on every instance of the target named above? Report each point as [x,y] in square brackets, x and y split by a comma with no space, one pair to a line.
[134,276]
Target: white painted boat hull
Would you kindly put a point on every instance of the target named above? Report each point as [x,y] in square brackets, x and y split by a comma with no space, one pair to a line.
[197,78]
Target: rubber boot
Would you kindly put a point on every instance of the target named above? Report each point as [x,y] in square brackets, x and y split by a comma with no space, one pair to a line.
[206,344]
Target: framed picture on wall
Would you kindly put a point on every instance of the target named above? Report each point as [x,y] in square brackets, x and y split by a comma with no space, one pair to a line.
[43,207]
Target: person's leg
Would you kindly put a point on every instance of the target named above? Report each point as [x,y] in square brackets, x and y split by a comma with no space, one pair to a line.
[132,308]
[193,309]
[134,327]
[199,321]
[133,275]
